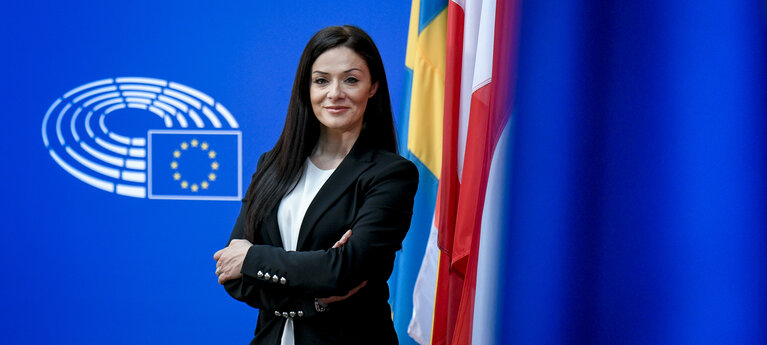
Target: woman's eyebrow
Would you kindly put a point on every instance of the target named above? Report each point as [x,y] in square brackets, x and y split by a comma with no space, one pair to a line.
[346,71]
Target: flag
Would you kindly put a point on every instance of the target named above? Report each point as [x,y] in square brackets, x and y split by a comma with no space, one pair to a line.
[194,165]
[420,140]
[634,211]
[476,129]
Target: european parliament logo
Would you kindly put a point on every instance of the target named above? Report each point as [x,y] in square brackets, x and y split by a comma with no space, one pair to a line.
[146,138]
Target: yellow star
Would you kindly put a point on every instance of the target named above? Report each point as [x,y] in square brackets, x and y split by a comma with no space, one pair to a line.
[184,184]
[212,154]
[212,176]
[184,145]
[194,142]
[204,184]
[214,165]
[173,165]
[176,176]
[194,187]
[204,146]
[177,153]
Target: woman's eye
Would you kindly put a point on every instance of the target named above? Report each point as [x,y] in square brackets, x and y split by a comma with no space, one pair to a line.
[320,81]
[352,80]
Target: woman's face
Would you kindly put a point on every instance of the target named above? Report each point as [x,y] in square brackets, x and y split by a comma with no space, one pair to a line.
[340,88]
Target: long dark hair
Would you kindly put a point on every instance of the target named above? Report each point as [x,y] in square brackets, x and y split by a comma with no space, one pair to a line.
[283,164]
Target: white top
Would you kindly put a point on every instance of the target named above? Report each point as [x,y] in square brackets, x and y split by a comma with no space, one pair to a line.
[290,215]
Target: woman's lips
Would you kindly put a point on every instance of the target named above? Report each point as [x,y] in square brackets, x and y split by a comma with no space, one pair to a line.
[336,110]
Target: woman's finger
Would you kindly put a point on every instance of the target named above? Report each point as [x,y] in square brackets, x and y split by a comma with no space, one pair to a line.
[223,274]
[353,291]
[331,299]
[217,255]
[343,239]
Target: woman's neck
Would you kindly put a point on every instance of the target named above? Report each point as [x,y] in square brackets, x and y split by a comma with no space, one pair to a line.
[332,147]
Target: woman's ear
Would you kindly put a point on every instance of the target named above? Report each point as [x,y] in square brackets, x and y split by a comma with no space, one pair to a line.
[373,89]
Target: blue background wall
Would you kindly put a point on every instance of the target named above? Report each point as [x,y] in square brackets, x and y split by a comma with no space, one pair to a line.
[83,266]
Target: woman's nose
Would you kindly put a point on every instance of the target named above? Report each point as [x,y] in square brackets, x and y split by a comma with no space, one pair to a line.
[335,91]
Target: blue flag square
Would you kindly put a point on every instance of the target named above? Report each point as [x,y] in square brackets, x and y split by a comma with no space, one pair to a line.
[194,165]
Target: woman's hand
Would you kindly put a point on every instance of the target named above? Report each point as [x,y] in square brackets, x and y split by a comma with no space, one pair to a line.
[229,260]
[331,299]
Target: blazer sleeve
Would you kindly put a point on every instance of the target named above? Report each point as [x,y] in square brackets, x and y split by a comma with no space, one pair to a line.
[267,297]
[379,228]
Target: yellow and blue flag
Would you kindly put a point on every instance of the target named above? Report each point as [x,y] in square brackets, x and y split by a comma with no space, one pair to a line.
[420,140]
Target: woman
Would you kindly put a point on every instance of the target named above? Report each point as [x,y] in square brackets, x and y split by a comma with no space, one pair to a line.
[328,206]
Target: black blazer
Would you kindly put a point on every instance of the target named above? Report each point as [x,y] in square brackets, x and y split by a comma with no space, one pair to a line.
[371,192]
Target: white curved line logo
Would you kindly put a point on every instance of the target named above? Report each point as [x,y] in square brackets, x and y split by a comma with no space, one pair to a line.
[78,137]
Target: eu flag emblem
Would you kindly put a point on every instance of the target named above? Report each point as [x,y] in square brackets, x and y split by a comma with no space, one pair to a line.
[194,165]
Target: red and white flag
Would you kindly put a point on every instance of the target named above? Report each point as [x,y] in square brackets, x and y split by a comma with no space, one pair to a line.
[456,291]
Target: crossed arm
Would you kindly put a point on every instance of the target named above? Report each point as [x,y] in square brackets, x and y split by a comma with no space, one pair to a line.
[380,225]
[229,262]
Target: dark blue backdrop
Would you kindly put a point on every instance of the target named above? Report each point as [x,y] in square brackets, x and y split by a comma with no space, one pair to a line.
[638,196]
[83,266]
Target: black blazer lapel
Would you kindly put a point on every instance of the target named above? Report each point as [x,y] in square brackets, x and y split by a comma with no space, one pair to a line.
[273,230]
[355,163]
